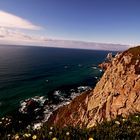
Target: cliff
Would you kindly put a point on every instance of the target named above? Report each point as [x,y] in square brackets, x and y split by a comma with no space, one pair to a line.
[117,93]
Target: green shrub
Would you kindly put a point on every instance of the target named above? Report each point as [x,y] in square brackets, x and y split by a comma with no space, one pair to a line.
[120,128]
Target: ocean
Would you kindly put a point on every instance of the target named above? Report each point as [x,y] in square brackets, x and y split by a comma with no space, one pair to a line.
[27,71]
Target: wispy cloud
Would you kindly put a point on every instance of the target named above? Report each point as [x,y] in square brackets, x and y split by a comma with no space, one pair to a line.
[12,21]
[9,36]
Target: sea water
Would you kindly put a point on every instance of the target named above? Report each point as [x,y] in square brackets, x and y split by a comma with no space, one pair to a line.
[27,71]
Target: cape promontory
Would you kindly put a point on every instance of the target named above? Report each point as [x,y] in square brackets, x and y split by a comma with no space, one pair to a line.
[117,93]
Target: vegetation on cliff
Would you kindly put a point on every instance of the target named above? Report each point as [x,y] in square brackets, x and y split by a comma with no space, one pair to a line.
[135,51]
[120,128]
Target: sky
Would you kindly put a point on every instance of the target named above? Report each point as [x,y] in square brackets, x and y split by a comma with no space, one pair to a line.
[103,21]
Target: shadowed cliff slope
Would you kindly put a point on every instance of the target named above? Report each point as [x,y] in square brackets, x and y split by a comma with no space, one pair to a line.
[117,93]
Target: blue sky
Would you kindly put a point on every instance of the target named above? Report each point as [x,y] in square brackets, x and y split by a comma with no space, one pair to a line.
[108,21]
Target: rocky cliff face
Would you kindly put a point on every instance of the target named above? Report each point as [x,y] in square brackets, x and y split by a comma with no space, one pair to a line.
[117,93]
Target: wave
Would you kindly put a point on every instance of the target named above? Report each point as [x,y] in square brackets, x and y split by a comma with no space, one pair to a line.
[42,107]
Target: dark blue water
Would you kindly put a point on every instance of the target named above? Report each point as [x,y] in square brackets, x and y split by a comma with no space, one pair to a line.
[29,71]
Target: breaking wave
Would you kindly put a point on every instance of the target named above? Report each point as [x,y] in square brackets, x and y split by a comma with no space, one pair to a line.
[42,107]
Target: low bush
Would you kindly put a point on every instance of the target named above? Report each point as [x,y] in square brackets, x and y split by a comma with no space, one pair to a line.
[120,128]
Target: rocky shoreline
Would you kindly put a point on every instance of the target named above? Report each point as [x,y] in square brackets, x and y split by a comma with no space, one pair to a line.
[41,108]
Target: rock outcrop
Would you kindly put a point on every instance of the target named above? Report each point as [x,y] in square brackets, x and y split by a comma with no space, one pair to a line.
[104,65]
[117,93]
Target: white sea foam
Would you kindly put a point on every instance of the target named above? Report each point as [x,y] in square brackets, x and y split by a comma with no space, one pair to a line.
[83,88]
[101,70]
[57,92]
[37,126]
[94,67]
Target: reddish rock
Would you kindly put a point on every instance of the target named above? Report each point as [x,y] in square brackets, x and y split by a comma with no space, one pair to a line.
[104,65]
[31,106]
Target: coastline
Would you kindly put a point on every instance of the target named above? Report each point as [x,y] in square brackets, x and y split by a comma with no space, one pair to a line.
[46,108]
[55,69]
